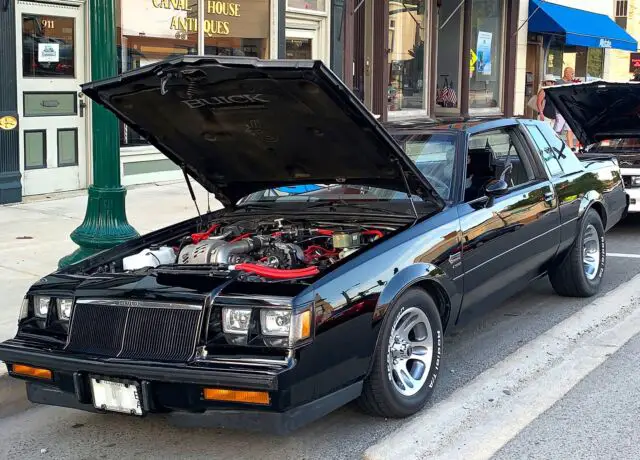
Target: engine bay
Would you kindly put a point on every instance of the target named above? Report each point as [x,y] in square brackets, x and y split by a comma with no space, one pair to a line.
[262,250]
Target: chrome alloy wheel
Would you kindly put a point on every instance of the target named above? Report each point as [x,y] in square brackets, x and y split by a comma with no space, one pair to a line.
[591,252]
[410,351]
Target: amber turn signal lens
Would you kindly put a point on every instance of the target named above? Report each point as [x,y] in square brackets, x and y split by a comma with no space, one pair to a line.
[305,325]
[251,397]
[28,371]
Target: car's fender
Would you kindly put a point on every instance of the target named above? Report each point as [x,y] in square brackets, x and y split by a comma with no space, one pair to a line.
[410,276]
[593,199]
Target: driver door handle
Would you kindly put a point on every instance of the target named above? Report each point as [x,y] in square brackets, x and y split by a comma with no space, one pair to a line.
[549,196]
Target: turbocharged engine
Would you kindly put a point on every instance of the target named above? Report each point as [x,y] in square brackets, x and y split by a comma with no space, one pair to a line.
[268,251]
[265,249]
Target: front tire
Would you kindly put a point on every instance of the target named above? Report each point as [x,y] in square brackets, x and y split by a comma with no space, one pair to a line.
[580,273]
[406,359]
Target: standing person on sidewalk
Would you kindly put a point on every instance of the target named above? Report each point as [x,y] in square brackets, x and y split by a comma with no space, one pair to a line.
[560,126]
[546,110]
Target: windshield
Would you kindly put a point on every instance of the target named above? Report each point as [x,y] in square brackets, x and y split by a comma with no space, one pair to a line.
[433,154]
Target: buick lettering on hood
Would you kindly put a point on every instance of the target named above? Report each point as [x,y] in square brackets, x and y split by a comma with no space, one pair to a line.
[343,251]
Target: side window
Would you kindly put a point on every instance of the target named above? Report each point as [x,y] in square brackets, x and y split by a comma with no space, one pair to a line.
[567,159]
[492,155]
[546,152]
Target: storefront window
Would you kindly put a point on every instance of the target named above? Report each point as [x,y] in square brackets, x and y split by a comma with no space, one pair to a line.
[315,5]
[595,63]
[239,28]
[555,59]
[298,48]
[407,31]
[487,20]
[149,31]
[449,51]
[587,63]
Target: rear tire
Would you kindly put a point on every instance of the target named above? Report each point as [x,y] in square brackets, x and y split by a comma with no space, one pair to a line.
[580,272]
[406,359]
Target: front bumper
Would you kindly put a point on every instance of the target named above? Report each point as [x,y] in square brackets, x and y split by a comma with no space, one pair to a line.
[177,390]
[247,420]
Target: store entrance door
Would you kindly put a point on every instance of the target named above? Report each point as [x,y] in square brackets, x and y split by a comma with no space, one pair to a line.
[51,66]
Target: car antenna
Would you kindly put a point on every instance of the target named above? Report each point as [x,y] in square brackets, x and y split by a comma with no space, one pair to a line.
[406,184]
[192,193]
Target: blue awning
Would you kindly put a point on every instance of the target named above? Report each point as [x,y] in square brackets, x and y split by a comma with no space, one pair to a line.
[580,28]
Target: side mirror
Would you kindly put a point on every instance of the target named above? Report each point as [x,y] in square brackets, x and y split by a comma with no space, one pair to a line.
[496,187]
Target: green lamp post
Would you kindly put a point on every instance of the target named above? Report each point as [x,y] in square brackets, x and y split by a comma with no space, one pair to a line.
[105,224]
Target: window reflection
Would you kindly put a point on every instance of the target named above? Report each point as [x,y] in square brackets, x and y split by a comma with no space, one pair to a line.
[449,50]
[237,29]
[298,48]
[47,46]
[406,59]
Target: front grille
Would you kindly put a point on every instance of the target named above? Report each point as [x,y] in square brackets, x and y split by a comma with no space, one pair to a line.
[140,330]
[629,161]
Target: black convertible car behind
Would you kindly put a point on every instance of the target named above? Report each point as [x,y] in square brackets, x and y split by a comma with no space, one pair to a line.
[343,252]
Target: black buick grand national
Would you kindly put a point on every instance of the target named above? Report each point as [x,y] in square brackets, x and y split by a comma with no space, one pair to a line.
[343,251]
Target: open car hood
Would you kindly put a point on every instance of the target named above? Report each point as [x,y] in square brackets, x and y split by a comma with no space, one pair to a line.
[240,125]
[599,110]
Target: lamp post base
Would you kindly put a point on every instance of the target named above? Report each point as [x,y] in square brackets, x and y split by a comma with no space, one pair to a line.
[105,224]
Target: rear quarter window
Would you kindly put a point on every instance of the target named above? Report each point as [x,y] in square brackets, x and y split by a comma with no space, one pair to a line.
[567,159]
[557,157]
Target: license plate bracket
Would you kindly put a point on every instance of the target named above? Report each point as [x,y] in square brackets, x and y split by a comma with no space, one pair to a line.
[116,395]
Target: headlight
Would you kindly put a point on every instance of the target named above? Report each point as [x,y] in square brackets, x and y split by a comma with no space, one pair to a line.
[275,322]
[64,307]
[236,320]
[283,323]
[635,180]
[279,327]
[41,306]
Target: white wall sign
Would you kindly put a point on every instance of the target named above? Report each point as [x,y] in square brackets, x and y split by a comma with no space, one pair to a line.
[48,52]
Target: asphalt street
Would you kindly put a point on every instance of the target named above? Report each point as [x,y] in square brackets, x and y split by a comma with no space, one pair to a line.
[483,339]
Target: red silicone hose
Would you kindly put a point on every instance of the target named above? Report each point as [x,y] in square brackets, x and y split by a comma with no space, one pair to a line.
[378,233]
[277,273]
[197,237]
[241,237]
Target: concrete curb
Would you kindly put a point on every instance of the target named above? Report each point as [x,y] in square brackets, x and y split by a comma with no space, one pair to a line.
[481,417]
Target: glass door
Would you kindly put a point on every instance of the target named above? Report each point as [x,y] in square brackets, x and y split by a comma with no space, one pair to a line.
[51,67]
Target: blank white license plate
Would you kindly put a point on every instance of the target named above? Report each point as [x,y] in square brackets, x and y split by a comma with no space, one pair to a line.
[116,396]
